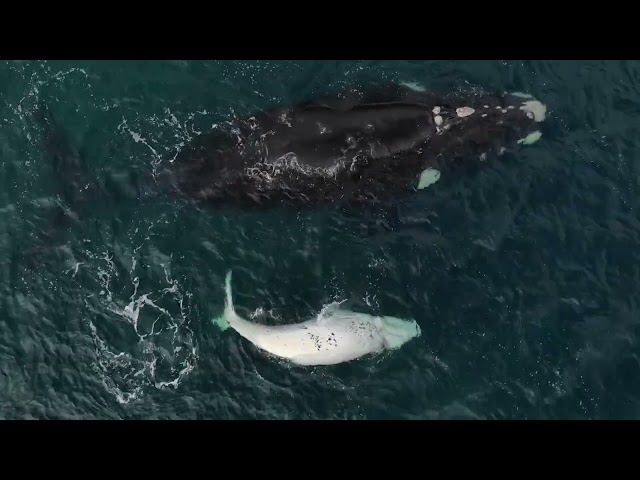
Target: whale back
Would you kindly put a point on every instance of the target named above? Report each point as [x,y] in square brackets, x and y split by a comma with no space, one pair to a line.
[341,335]
[337,336]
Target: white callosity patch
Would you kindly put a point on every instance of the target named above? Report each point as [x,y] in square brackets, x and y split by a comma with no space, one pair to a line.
[464,111]
[436,110]
[438,120]
[535,109]
[428,177]
[531,138]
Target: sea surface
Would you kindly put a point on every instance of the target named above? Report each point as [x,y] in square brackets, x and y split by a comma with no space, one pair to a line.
[523,277]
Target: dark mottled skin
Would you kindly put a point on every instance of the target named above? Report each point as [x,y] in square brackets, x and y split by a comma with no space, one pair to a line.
[385,137]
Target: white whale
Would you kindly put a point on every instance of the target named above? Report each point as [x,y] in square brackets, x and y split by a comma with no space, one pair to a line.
[335,335]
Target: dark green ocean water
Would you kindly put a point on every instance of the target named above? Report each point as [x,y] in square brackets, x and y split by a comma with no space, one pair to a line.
[523,277]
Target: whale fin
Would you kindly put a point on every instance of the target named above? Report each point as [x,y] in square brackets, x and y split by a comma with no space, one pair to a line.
[328,311]
[222,321]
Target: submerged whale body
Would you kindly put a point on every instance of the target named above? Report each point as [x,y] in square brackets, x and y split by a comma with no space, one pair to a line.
[352,147]
[334,336]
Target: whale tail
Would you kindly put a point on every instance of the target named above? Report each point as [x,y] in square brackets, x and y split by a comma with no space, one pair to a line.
[77,182]
[222,321]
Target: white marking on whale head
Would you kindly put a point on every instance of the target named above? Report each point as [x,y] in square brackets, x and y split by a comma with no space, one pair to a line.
[535,109]
[428,177]
[436,110]
[530,139]
[438,120]
[464,111]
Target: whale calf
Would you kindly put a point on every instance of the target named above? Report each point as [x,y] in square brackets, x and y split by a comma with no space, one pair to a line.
[352,147]
[334,336]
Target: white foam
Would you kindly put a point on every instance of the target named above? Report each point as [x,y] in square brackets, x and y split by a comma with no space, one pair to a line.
[268,172]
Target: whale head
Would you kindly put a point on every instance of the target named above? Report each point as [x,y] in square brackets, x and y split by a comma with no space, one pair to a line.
[476,126]
[396,332]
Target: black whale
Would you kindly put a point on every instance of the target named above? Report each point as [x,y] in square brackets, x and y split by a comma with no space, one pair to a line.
[361,147]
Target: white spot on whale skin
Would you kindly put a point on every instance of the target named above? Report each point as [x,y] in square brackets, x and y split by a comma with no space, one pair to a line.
[436,110]
[428,177]
[438,120]
[464,111]
[532,138]
[520,94]
[535,108]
